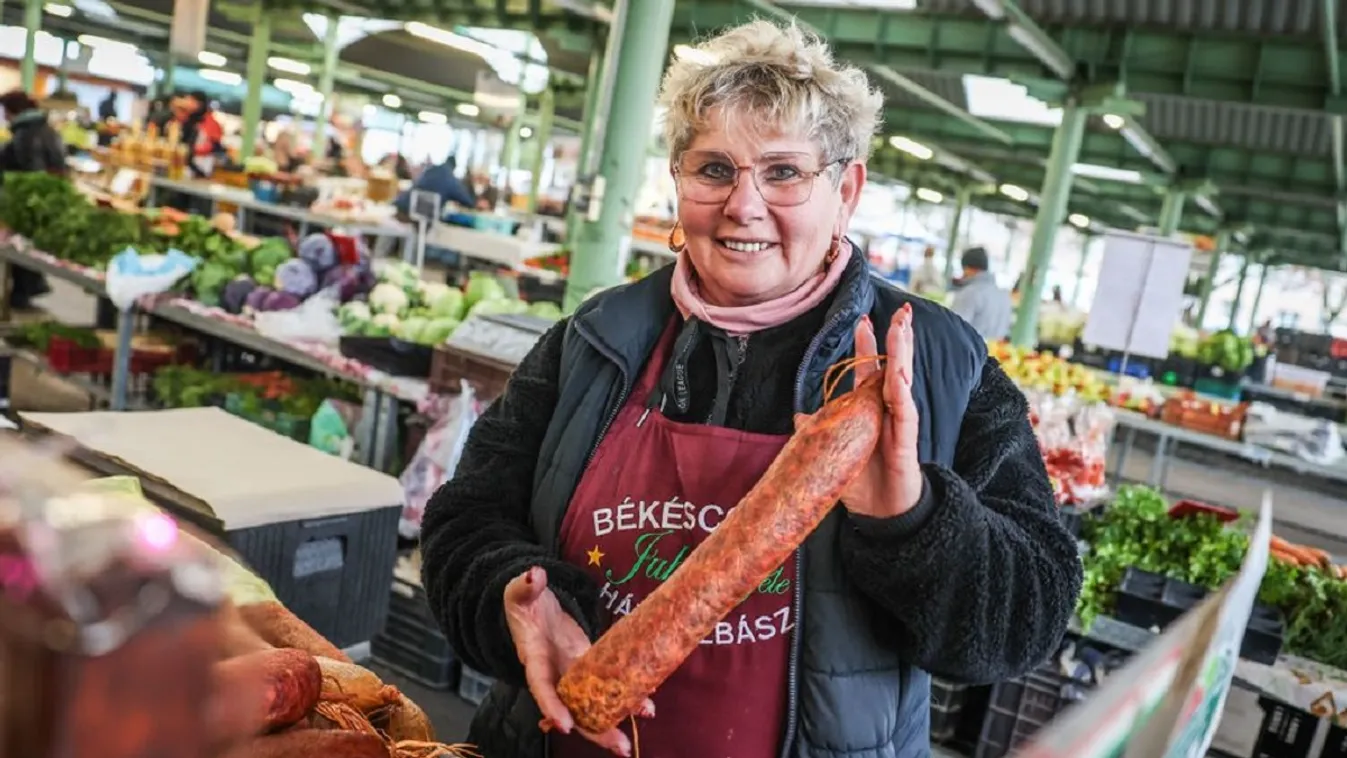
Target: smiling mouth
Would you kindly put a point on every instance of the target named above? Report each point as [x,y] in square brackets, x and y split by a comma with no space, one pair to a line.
[739,246]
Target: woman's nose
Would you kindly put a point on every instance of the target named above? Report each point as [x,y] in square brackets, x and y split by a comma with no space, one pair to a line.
[745,202]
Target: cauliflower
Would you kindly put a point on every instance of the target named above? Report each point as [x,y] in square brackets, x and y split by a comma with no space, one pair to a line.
[388,298]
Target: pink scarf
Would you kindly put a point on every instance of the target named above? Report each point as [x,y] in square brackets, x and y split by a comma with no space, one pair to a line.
[747,319]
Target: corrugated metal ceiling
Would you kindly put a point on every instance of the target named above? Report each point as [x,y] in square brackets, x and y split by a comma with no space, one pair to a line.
[1264,17]
[946,84]
[1235,125]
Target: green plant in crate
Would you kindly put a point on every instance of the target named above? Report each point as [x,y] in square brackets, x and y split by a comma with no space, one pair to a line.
[33,200]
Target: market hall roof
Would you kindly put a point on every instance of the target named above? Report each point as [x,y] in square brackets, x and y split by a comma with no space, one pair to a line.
[1241,97]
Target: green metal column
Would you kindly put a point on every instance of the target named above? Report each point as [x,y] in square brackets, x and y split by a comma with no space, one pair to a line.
[1204,299]
[599,256]
[63,72]
[592,94]
[32,22]
[164,87]
[1172,212]
[546,110]
[1087,241]
[960,203]
[509,155]
[1258,297]
[1052,203]
[1239,291]
[331,52]
[258,48]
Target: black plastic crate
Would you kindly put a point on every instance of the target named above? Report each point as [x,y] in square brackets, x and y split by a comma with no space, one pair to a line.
[1263,636]
[333,572]
[542,289]
[473,685]
[436,673]
[947,702]
[1072,518]
[416,634]
[1288,731]
[1140,600]
[1020,707]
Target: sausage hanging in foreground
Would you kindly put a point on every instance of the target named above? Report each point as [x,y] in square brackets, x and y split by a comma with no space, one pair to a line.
[827,452]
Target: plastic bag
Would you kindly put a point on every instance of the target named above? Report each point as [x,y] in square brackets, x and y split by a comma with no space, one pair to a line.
[436,459]
[132,276]
[315,320]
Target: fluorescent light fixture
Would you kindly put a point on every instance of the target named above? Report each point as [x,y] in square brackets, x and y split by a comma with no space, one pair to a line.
[993,8]
[59,9]
[297,89]
[227,78]
[468,109]
[207,58]
[1014,192]
[1114,121]
[1107,173]
[1044,49]
[930,195]
[450,39]
[430,117]
[103,43]
[392,101]
[298,68]
[693,55]
[525,132]
[1003,100]
[1079,219]
[912,147]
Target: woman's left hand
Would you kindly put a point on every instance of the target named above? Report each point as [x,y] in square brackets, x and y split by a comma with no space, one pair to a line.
[891,483]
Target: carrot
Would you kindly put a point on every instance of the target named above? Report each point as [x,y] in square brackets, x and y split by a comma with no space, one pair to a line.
[1284,557]
[275,623]
[355,686]
[828,450]
[1321,558]
[312,743]
[291,681]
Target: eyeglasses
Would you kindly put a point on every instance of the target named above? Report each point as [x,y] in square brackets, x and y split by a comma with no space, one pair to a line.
[708,177]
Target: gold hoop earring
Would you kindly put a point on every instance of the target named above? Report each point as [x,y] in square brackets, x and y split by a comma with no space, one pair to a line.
[834,250]
[677,247]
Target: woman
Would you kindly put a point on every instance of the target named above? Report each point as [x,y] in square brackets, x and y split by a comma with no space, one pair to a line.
[33,146]
[631,427]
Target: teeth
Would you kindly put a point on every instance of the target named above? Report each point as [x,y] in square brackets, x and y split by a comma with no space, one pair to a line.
[747,247]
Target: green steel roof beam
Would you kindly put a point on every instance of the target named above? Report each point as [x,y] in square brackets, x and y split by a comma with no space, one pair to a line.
[1331,55]
[1055,58]
[898,80]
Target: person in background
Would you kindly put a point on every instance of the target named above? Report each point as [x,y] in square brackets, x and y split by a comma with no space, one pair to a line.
[284,152]
[1057,294]
[33,146]
[201,132]
[928,279]
[107,110]
[442,181]
[981,302]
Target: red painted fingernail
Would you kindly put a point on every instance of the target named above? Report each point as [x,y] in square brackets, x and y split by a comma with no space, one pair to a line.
[528,576]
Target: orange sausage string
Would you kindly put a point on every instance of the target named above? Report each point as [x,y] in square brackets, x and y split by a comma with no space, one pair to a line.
[832,378]
[635,739]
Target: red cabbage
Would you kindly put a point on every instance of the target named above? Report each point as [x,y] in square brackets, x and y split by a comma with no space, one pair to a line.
[280,301]
[297,277]
[349,282]
[257,297]
[236,293]
[319,251]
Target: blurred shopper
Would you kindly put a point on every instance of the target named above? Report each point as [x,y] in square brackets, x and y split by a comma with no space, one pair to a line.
[928,279]
[201,132]
[33,146]
[980,301]
[443,181]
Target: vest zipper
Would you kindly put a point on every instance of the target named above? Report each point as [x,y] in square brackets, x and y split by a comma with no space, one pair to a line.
[742,346]
[797,601]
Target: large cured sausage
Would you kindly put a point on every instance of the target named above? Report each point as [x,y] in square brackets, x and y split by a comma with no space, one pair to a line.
[827,452]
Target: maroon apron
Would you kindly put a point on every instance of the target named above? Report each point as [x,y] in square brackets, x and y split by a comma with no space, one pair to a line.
[654,490]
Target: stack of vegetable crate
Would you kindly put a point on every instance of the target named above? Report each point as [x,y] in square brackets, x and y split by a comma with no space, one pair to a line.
[411,642]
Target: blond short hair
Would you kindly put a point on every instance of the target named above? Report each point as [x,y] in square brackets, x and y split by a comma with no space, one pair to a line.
[784,78]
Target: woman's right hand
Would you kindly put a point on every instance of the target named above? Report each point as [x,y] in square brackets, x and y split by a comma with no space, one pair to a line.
[548,641]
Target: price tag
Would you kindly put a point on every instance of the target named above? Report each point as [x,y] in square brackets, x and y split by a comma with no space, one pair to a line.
[504,339]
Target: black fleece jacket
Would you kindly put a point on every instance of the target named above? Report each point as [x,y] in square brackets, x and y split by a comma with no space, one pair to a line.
[976,583]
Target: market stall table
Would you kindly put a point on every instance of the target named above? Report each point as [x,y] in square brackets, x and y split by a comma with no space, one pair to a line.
[1168,437]
[245,201]
[320,530]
